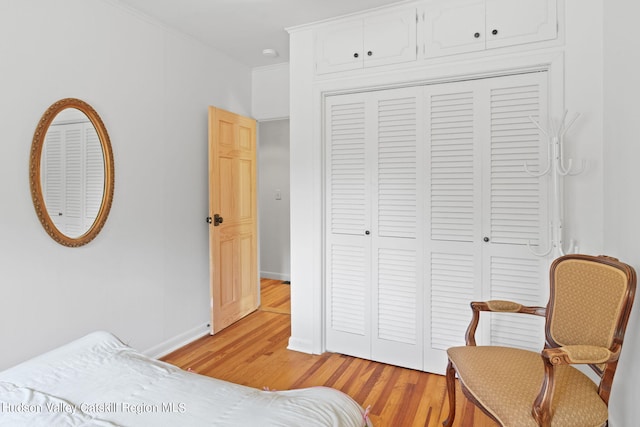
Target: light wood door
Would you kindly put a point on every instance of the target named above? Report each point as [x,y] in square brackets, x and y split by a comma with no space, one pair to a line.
[233,212]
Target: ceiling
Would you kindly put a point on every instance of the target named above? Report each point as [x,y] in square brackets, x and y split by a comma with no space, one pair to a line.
[243,28]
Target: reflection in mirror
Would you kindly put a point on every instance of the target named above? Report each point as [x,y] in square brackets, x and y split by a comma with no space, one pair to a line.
[71,172]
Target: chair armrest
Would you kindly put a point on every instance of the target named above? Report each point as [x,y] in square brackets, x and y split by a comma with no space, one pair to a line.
[579,354]
[497,306]
[569,354]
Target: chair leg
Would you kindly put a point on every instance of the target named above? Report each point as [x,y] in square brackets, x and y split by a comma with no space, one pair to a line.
[451,392]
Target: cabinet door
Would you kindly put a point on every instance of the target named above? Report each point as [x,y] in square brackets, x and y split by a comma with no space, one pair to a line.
[454,27]
[483,209]
[390,38]
[339,47]
[512,22]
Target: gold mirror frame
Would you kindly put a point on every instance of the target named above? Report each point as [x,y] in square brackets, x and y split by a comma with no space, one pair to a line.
[34,172]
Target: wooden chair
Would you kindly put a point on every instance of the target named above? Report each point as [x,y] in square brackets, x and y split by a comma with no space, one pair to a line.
[589,304]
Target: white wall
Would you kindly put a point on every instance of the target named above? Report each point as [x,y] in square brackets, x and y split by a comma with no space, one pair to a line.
[270,98]
[274,199]
[270,106]
[583,93]
[621,149]
[145,277]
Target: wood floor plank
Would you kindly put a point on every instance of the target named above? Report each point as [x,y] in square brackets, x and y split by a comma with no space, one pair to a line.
[253,352]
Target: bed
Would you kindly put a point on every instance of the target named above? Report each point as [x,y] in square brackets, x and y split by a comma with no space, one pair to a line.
[99,381]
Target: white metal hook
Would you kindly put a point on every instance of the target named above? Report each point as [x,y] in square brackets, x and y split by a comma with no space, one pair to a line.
[550,239]
[548,168]
[540,254]
[539,174]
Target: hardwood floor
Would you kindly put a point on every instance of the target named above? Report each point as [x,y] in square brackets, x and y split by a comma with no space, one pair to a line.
[253,352]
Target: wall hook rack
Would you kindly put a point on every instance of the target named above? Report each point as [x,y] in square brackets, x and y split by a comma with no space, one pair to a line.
[557,168]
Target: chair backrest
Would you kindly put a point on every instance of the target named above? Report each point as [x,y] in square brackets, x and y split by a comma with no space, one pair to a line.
[589,303]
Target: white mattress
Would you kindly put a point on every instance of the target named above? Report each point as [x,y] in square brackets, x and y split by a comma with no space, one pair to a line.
[98,381]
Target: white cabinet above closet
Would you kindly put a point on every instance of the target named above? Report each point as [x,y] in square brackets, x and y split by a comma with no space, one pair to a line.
[371,41]
[459,26]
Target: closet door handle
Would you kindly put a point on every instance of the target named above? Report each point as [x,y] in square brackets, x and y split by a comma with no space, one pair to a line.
[476,35]
[369,53]
[486,239]
[494,32]
[355,55]
[367,232]
[217,220]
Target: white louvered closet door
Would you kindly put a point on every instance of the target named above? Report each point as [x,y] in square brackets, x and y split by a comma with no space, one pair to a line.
[348,214]
[53,179]
[483,209]
[73,176]
[374,285]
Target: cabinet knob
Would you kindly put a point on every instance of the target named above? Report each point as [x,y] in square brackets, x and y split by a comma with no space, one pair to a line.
[355,55]
[367,232]
[486,239]
[476,35]
[369,53]
[494,32]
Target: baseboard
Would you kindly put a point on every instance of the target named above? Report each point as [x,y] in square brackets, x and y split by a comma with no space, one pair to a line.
[176,342]
[275,276]
[303,346]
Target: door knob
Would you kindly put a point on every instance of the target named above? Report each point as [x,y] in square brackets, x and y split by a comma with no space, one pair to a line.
[217,220]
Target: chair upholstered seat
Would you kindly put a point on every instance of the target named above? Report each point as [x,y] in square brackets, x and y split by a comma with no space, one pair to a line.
[506,381]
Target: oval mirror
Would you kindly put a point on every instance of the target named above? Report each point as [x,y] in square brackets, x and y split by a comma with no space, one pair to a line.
[71,172]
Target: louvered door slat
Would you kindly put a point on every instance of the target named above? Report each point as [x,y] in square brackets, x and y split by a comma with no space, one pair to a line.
[74,179]
[397,295]
[348,289]
[347,174]
[517,279]
[515,195]
[453,285]
[52,170]
[397,167]
[452,183]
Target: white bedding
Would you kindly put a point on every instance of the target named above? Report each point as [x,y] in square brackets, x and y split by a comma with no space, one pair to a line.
[98,381]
